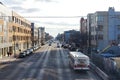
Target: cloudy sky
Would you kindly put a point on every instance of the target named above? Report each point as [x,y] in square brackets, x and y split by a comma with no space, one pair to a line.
[59,15]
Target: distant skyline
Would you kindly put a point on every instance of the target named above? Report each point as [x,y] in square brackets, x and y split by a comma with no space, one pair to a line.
[73,10]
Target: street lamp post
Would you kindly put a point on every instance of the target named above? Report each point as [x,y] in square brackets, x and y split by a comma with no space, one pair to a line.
[14,43]
[14,38]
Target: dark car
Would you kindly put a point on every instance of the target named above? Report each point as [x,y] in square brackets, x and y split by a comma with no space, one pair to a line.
[58,45]
[79,50]
[72,49]
[49,44]
[30,50]
[22,54]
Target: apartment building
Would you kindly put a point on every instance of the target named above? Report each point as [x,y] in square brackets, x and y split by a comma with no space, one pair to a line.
[5,30]
[42,35]
[103,28]
[21,33]
[39,36]
[34,34]
[67,36]
[83,31]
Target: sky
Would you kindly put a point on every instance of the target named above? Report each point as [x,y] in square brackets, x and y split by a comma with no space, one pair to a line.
[58,16]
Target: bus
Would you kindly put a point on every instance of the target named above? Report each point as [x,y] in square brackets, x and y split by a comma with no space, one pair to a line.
[79,61]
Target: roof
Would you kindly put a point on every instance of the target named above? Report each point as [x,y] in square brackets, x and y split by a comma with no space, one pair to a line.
[107,55]
[78,54]
[112,51]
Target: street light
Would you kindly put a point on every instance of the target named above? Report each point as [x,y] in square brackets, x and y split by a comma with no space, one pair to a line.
[14,39]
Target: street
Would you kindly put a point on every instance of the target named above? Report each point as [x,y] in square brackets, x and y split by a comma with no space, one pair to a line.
[47,63]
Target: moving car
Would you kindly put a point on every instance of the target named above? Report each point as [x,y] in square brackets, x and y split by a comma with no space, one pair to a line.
[49,44]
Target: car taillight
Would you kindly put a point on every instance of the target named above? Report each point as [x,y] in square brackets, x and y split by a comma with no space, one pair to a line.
[75,65]
[88,65]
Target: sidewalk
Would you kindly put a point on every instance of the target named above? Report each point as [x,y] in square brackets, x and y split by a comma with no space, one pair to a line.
[7,59]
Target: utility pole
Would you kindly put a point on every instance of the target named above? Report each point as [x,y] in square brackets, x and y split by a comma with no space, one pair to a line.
[89,40]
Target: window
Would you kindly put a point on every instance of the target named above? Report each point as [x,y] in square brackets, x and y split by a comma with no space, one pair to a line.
[14,37]
[92,29]
[10,39]
[118,37]
[1,28]
[118,27]
[0,51]
[0,15]
[13,18]
[92,37]
[100,28]
[100,37]
[100,18]
[10,19]
[1,39]
[10,29]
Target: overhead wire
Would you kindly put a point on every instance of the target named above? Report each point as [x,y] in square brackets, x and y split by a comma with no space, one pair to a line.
[47,16]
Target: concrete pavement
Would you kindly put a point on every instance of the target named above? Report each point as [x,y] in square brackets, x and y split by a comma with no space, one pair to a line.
[7,59]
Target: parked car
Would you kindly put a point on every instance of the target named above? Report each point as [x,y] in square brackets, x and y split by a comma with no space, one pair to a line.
[79,50]
[65,45]
[27,52]
[30,50]
[72,49]
[49,44]
[35,48]
[22,54]
[58,45]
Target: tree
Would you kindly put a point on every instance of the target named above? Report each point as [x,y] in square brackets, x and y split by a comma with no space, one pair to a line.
[75,38]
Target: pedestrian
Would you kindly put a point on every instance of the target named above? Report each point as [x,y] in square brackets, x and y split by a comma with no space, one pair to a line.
[8,54]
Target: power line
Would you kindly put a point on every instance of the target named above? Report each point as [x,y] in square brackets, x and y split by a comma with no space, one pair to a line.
[61,28]
[53,16]
[47,16]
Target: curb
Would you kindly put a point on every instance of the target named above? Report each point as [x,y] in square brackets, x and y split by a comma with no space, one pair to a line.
[103,75]
[7,59]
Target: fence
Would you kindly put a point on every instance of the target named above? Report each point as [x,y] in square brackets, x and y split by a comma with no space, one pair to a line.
[110,66]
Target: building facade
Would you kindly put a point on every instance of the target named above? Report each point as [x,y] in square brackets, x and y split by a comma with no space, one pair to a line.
[34,34]
[39,36]
[67,35]
[103,28]
[83,31]
[21,33]
[5,30]
[17,33]
[42,35]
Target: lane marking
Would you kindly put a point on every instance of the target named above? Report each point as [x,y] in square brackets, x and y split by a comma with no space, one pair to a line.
[17,69]
[60,72]
[65,63]
[40,76]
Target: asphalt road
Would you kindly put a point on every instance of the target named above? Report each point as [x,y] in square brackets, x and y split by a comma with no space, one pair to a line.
[47,63]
